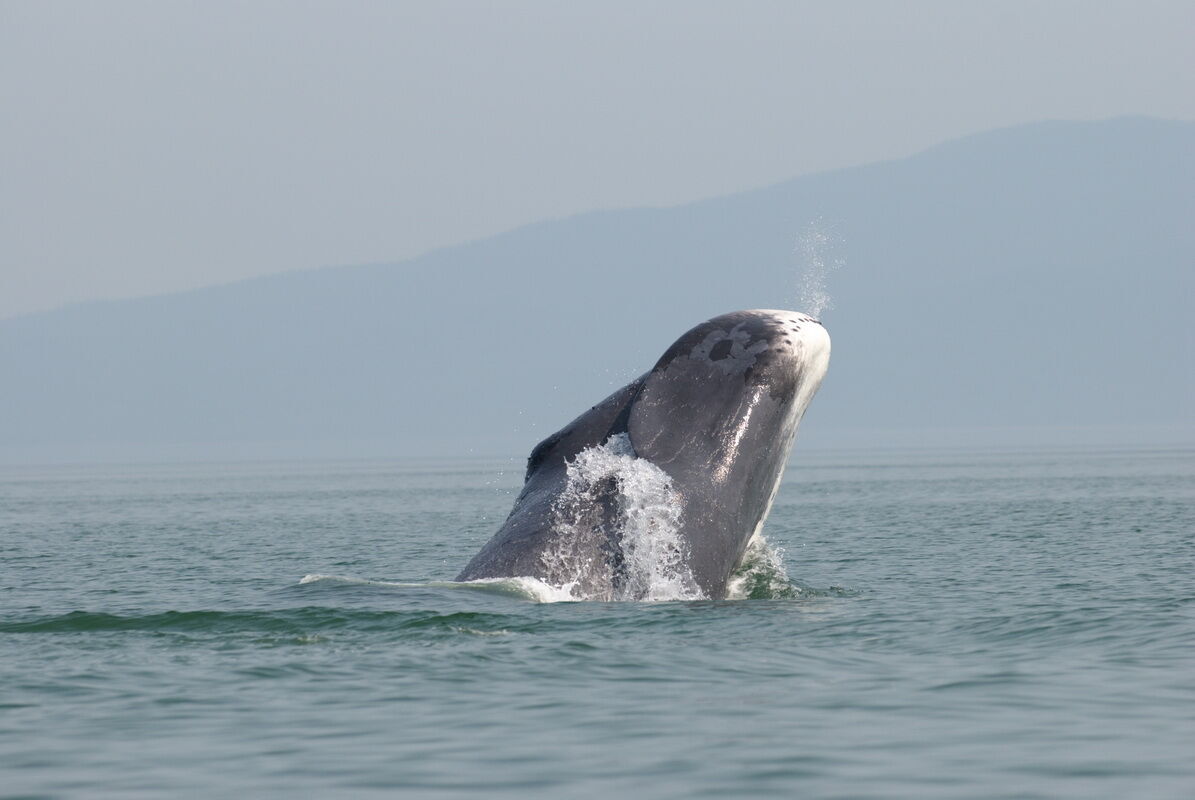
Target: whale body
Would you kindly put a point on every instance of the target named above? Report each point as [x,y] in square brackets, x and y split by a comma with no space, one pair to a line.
[658,490]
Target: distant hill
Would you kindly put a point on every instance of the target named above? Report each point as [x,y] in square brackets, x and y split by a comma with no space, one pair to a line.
[1030,278]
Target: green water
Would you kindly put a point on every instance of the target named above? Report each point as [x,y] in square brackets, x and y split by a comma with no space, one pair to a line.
[996,624]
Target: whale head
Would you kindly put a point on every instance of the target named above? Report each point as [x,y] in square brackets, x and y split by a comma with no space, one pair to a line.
[715,419]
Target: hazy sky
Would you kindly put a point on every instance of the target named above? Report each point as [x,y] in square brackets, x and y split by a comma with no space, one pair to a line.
[149,147]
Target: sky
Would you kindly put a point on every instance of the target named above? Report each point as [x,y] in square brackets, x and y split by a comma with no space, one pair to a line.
[150,147]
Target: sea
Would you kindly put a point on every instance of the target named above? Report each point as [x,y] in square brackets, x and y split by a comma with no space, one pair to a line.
[920,623]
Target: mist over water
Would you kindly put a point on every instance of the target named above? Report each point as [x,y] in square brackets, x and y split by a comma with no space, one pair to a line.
[817,260]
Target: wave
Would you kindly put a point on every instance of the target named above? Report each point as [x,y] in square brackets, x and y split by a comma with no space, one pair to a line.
[526,588]
[761,577]
[298,622]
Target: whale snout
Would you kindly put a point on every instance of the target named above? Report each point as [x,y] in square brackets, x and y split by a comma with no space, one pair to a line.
[795,348]
[792,330]
[807,351]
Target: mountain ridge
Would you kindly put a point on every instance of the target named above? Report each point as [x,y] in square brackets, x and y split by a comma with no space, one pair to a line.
[1034,220]
[389,263]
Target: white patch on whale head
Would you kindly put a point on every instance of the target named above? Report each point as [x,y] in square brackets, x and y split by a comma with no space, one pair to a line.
[740,352]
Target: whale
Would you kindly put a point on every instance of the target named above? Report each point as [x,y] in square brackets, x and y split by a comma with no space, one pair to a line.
[657,491]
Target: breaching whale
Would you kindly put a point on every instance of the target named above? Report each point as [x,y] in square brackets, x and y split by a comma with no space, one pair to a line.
[669,478]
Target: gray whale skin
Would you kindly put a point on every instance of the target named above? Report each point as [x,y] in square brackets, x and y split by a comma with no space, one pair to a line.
[717,413]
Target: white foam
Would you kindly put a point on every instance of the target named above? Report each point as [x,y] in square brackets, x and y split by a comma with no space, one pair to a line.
[760,573]
[316,577]
[321,578]
[525,587]
[610,480]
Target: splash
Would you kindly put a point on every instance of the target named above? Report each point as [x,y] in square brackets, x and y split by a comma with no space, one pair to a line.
[622,511]
[761,575]
[815,247]
[617,525]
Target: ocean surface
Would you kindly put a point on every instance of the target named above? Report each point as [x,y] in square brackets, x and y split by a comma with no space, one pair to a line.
[955,624]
